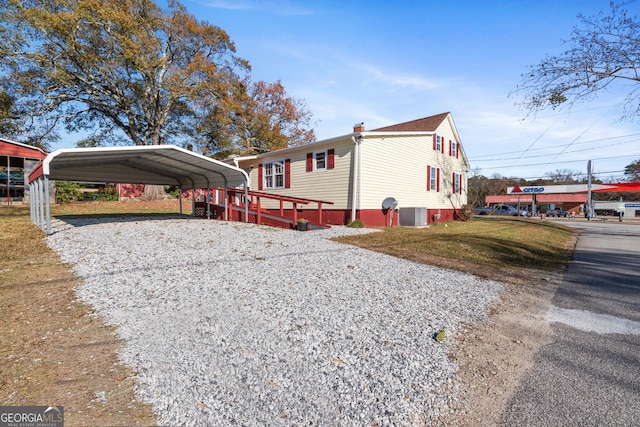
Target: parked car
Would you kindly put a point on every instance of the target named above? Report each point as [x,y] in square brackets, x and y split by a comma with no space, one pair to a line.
[559,212]
[501,210]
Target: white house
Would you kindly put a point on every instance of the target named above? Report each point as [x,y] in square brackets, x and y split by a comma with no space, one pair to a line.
[418,167]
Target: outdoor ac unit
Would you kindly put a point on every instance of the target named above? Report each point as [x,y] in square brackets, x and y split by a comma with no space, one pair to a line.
[413,217]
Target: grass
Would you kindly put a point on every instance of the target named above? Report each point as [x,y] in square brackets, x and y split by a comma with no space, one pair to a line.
[483,246]
[160,207]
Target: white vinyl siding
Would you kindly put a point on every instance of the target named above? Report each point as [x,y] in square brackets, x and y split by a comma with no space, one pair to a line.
[396,167]
[392,166]
[332,185]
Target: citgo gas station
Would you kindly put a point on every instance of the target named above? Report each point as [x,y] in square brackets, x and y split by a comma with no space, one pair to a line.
[573,197]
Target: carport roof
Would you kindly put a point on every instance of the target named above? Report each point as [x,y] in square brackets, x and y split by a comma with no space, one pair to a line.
[158,164]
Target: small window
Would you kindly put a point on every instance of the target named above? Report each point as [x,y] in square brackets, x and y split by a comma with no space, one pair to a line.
[433,184]
[453,149]
[438,143]
[274,174]
[320,160]
[456,183]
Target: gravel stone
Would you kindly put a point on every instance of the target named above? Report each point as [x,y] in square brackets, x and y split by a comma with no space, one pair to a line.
[230,323]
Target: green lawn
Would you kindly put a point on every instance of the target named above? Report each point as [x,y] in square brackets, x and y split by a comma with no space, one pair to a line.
[482,243]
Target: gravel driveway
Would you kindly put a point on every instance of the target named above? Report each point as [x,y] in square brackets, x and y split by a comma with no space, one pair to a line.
[236,324]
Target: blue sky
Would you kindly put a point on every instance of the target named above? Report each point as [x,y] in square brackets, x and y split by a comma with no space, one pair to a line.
[382,62]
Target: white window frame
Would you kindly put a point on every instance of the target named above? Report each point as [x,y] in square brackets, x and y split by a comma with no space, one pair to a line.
[274,174]
[456,183]
[433,179]
[439,143]
[315,160]
[454,147]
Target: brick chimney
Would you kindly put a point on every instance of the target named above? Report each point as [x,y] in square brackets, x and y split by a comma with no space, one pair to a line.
[358,127]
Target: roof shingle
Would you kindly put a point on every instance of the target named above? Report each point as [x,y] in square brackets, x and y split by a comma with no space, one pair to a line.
[426,124]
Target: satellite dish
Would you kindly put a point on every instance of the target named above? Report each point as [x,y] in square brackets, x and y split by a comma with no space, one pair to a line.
[389,203]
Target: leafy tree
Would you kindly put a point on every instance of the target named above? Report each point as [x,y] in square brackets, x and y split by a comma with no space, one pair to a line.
[604,50]
[90,142]
[129,68]
[7,119]
[259,117]
[117,64]
[632,170]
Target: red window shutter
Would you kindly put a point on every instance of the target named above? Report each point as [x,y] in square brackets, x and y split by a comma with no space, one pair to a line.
[453,183]
[309,162]
[457,150]
[442,147]
[428,178]
[449,147]
[434,141]
[260,176]
[331,158]
[287,173]
[438,180]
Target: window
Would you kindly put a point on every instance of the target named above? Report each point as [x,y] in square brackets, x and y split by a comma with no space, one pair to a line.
[274,174]
[438,143]
[320,160]
[456,183]
[433,178]
[433,184]
[454,149]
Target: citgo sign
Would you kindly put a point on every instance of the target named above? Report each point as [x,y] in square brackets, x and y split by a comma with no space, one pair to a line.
[527,190]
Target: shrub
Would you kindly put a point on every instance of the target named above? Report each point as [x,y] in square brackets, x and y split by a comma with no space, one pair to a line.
[356,223]
[465,213]
[106,194]
[173,190]
[67,192]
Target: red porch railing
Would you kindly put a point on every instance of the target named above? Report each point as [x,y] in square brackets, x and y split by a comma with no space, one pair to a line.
[286,214]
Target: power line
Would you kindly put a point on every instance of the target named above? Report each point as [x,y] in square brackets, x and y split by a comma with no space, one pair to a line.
[565,161]
[566,152]
[553,146]
[597,174]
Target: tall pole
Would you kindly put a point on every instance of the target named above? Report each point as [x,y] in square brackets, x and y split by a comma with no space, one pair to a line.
[589,202]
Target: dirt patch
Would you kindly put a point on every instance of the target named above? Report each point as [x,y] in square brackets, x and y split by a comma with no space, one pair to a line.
[494,356]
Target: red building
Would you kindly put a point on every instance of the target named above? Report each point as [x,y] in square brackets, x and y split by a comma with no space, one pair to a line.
[16,163]
[568,202]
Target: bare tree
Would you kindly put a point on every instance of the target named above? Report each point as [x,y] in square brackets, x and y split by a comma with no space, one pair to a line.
[564,176]
[604,50]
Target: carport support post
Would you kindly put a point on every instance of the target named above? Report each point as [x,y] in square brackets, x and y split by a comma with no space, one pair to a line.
[193,201]
[226,203]
[32,201]
[246,203]
[40,213]
[180,199]
[47,203]
[208,203]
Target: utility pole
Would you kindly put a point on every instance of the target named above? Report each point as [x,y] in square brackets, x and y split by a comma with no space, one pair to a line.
[589,201]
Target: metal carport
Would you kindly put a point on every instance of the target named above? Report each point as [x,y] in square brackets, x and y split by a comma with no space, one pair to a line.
[153,165]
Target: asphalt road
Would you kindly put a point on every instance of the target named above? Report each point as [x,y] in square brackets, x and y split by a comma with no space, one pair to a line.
[590,374]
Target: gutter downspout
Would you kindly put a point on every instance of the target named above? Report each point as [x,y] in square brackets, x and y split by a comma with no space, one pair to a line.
[357,182]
